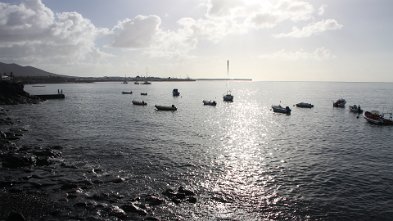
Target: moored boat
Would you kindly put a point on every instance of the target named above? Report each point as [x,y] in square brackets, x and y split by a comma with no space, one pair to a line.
[144,94]
[340,103]
[136,82]
[146,82]
[141,103]
[281,109]
[304,105]
[228,97]
[355,109]
[375,117]
[166,108]
[175,92]
[210,103]
[126,92]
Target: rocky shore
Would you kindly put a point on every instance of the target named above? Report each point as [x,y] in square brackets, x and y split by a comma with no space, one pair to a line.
[38,183]
[12,93]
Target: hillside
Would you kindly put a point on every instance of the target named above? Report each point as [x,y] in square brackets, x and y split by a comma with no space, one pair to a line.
[24,71]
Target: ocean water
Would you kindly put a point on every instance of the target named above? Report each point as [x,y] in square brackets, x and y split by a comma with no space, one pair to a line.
[243,161]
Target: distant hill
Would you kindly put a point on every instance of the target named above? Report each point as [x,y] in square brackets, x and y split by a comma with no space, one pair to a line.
[25,71]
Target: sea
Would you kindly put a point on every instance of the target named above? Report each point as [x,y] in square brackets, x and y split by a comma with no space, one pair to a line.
[242,161]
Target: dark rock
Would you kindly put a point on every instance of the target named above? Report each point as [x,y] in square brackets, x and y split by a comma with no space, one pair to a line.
[13,216]
[132,208]
[154,200]
[117,212]
[18,160]
[180,196]
[185,191]
[192,199]
[68,186]
[151,219]
[81,205]
[169,193]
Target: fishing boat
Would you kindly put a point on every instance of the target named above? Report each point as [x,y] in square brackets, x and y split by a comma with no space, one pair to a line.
[143,94]
[125,80]
[228,97]
[375,117]
[304,105]
[281,109]
[209,103]
[146,82]
[340,103]
[355,109]
[175,92]
[141,103]
[126,92]
[136,82]
[166,108]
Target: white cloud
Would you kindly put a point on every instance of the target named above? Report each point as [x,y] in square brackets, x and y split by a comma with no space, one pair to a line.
[137,32]
[318,54]
[311,29]
[31,32]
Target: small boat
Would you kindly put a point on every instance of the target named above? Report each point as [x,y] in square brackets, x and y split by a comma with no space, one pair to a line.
[280,109]
[126,92]
[125,80]
[340,103]
[377,118]
[144,94]
[146,82]
[136,82]
[38,86]
[166,108]
[356,109]
[210,103]
[175,92]
[228,97]
[304,105]
[141,103]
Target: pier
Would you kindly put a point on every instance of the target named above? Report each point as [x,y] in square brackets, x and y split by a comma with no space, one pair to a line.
[50,96]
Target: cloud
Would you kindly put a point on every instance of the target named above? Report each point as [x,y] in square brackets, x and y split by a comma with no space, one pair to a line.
[137,32]
[318,54]
[31,32]
[312,29]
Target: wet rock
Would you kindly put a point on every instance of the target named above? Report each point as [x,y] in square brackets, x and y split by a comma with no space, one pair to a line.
[154,200]
[169,193]
[132,208]
[18,160]
[80,205]
[151,219]
[14,216]
[67,186]
[117,212]
[186,191]
[192,199]
[3,135]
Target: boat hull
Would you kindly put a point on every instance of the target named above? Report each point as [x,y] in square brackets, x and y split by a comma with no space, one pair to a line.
[304,105]
[140,103]
[209,103]
[281,110]
[377,119]
[228,98]
[166,108]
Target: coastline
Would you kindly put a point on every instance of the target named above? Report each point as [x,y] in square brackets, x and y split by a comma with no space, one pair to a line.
[38,183]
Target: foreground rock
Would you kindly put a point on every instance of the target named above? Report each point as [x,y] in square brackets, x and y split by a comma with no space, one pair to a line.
[12,93]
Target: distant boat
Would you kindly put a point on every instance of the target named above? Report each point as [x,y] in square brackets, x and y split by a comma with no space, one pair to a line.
[166,108]
[377,118]
[143,94]
[136,82]
[355,109]
[304,105]
[126,92]
[125,80]
[38,86]
[146,82]
[141,103]
[210,103]
[175,92]
[280,109]
[228,97]
[340,103]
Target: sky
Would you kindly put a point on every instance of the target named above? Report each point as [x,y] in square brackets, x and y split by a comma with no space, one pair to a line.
[266,40]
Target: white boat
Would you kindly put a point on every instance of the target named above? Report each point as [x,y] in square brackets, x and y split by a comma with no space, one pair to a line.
[375,117]
[228,97]
[166,108]
[281,109]
[209,103]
